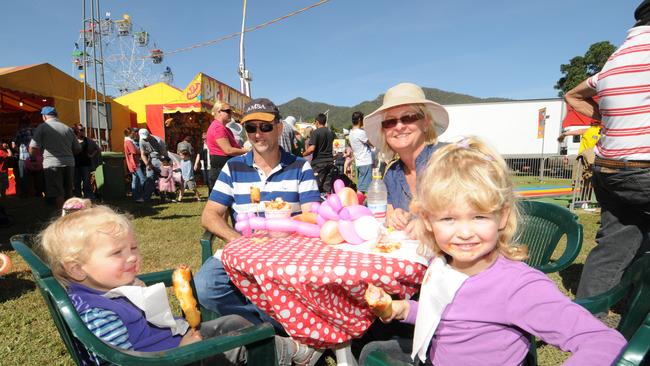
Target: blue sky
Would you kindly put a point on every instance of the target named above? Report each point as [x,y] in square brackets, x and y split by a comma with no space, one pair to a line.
[346,51]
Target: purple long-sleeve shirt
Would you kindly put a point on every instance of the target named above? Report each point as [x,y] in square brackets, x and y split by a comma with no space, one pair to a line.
[480,326]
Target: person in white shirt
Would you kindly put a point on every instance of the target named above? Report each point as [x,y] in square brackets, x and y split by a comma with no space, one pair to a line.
[361,150]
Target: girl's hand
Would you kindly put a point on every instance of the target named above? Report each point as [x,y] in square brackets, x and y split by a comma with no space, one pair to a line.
[410,230]
[192,336]
[400,311]
[398,219]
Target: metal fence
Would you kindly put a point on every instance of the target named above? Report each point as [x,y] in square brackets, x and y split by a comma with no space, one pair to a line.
[559,170]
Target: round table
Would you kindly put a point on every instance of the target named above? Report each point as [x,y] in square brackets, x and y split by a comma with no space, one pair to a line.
[314,290]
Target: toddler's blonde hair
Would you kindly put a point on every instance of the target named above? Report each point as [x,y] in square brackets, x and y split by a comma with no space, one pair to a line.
[73,236]
[472,172]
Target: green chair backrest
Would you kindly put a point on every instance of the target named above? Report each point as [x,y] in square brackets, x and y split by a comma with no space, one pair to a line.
[634,288]
[638,346]
[80,342]
[206,245]
[542,225]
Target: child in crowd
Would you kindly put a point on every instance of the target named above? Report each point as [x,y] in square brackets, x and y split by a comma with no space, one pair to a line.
[93,250]
[187,170]
[466,219]
[166,183]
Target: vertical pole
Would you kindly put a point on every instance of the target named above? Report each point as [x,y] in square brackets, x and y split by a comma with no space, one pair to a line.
[541,163]
[244,84]
[93,22]
[102,82]
[84,107]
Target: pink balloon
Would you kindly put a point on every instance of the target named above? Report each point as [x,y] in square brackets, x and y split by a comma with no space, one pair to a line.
[347,230]
[338,185]
[242,225]
[315,206]
[284,225]
[334,202]
[258,223]
[309,230]
[327,212]
[320,220]
[354,212]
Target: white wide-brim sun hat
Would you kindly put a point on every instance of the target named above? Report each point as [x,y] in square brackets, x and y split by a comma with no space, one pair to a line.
[403,94]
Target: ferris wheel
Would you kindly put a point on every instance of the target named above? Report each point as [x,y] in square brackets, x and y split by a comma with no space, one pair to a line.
[130,58]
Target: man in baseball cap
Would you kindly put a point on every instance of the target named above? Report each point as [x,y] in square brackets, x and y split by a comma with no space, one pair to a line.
[58,144]
[266,168]
[261,109]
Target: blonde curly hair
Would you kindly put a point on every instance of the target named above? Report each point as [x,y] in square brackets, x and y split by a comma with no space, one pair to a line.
[468,171]
[72,237]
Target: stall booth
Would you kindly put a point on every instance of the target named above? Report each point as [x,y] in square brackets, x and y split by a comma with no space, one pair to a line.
[24,90]
[189,114]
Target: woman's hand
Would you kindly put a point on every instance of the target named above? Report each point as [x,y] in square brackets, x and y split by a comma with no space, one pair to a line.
[398,219]
[400,308]
[192,336]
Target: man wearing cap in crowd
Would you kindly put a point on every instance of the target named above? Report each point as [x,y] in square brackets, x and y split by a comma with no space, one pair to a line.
[151,152]
[621,172]
[277,174]
[58,144]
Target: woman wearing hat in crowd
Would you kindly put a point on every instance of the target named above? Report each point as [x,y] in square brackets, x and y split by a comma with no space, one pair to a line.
[220,140]
[406,127]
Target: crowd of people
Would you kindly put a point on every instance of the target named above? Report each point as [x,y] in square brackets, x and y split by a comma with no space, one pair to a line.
[464,217]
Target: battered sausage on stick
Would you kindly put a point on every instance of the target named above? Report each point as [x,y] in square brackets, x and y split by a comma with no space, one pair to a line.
[183,292]
[379,301]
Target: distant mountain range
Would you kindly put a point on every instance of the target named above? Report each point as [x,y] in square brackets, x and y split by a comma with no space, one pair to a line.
[340,117]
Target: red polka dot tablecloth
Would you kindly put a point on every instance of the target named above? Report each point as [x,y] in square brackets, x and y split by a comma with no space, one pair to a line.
[315,290]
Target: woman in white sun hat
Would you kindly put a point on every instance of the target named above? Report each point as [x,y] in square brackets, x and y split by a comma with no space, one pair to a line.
[406,127]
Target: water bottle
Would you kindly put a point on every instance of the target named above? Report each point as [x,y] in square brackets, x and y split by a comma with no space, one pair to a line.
[377,197]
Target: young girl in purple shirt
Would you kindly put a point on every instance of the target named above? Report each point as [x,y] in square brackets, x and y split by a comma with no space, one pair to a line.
[478,302]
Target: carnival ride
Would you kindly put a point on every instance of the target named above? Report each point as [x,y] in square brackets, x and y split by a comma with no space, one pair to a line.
[131,59]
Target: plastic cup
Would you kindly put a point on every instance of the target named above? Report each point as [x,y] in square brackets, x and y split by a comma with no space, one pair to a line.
[277,214]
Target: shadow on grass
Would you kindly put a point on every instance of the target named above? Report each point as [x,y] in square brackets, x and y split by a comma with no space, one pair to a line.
[571,277]
[14,285]
[171,217]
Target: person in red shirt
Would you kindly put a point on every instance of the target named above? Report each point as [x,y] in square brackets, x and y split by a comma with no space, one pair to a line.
[132,156]
[5,154]
[221,142]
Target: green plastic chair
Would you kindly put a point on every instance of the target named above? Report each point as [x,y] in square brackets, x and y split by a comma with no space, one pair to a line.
[634,324]
[206,245]
[79,341]
[542,226]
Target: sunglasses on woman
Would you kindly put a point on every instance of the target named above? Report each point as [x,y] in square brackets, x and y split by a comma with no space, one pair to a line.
[406,119]
[251,127]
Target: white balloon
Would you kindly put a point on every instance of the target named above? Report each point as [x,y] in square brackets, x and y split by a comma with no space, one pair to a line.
[367,227]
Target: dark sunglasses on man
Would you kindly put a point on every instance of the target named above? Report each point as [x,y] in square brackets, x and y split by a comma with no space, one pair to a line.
[406,119]
[229,111]
[251,127]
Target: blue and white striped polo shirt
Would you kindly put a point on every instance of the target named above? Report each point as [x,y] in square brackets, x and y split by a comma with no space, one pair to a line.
[292,180]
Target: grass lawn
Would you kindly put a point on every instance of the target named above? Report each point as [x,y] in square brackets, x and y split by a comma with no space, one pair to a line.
[169,235]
